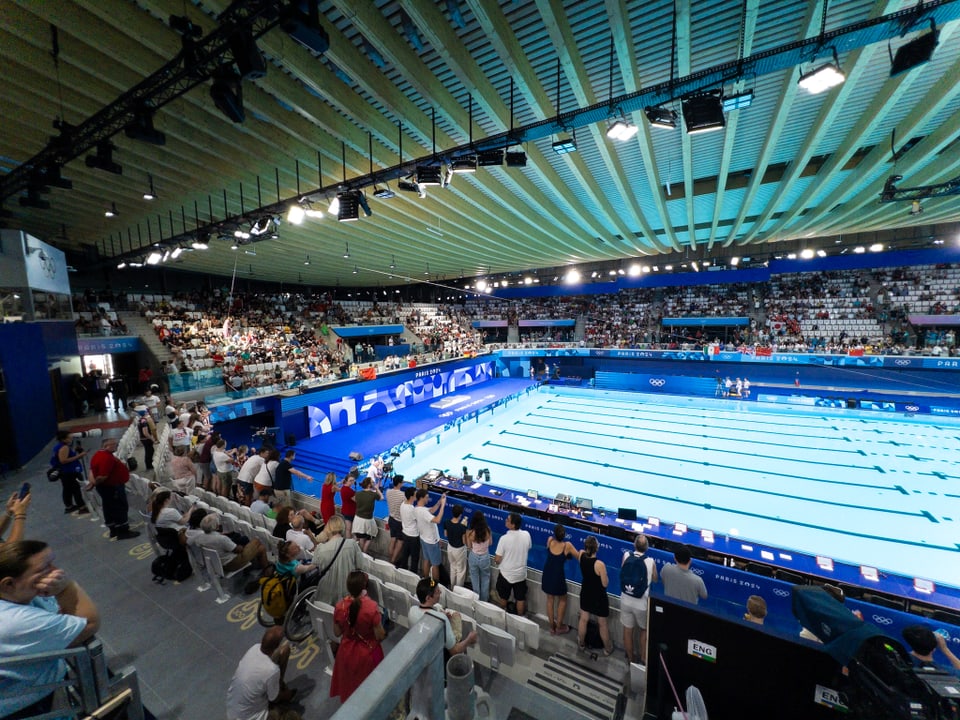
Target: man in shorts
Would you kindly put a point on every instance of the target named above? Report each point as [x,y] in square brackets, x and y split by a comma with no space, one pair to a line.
[428,518]
[395,498]
[633,608]
[511,558]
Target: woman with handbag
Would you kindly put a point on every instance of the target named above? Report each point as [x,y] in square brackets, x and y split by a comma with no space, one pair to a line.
[69,467]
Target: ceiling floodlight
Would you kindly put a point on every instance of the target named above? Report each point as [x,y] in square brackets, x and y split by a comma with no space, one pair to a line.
[429,175]
[696,268]
[111,211]
[199,245]
[916,52]
[859,250]
[806,253]
[565,146]
[823,77]
[121,265]
[516,158]
[488,158]
[661,117]
[177,252]
[738,101]
[295,214]
[703,112]
[334,208]
[621,130]
[572,276]
[383,192]
[876,247]
[634,270]
[466,164]
[409,184]
[227,93]
[103,160]
[154,258]
[150,193]
[734,261]
[349,205]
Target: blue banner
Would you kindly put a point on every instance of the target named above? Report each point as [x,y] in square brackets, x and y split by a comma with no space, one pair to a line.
[367,330]
[705,321]
[108,345]
[547,323]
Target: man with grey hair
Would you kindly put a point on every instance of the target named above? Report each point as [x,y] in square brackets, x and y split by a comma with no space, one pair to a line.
[302,536]
[232,556]
[637,573]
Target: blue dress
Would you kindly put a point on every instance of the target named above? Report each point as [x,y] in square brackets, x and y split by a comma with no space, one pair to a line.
[554,581]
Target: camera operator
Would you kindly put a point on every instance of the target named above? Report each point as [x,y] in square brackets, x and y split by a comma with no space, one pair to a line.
[67,459]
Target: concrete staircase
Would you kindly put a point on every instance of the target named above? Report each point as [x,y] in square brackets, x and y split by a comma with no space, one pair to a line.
[151,349]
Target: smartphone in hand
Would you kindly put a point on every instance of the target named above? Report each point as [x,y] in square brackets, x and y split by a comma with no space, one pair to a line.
[24,490]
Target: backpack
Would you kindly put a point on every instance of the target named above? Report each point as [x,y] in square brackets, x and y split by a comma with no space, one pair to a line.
[171,566]
[276,594]
[634,576]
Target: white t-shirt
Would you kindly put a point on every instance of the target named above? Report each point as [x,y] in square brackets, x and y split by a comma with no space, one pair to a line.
[169,518]
[408,518]
[512,549]
[267,473]
[416,614]
[180,437]
[250,469]
[429,531]
[255,682]
[301,539]
[222,461]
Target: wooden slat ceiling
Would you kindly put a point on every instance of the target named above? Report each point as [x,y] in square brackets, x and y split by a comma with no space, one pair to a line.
[791,165]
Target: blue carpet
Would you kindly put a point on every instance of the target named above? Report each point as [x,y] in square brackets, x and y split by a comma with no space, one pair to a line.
[330,452]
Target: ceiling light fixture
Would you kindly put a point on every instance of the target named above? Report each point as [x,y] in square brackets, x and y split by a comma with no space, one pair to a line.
[307,260]
[661,117]
[822,77]
[393,262]
[621,130]
[489,158]
[141,128]
[565,146]
[150,193]
[429,175]
[916,52]
[177,252]
[383,192]
[693,264]
[121,265]
[806,253]
[111,211]
[346,251]
[103,160]
[876,247]
[738,101]
[295,214]
[154,258]
[703,112]
[516,158]
[199,245]
[349,205]
[466,164]
[227,93]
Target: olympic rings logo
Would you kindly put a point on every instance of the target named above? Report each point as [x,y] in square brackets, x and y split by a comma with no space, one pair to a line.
[657,382]
[882,620]
[781,592]
[902,362]
[911,408]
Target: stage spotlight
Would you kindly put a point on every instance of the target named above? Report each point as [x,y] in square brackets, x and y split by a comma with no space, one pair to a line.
[516,158]
[247,55]
[383,192]
[916,52]
[661,117]
[295,214]
[565,146]
[429,175]
[349,201]
[227,94]
[703,112]
[103,160]
[488,158]
[33,200]
[621,130]
[304,27]
[823,77]
[141,128]
[466,164]
[409,184]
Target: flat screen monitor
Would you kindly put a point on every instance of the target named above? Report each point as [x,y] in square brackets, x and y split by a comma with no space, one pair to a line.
[629,514]
[585,503]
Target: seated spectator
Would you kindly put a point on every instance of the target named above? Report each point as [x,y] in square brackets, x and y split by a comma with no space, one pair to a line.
[302,536]
[756,610]
[257,690]
[233,556]
[428,595]
[41,610]
[183,473]
[262,504]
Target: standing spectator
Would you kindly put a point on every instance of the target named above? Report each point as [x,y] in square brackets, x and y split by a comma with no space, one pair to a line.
[679,582]
[282,480]
[336,556]
[637,573]
[395,498]
[224,466]
[593,595]
[478,540]
[205,460]
[118,389]
[511,557]
[264,478]
[144,377]
[428,518]
[455,529]
[923,641]
[147,431]
[554,582]
[410,552]
[110,476]
[257,687]
[328,492]
[183,473]
[41,610]
[357,622]
[248,472]
[348,506]
[364,524]
[69,463]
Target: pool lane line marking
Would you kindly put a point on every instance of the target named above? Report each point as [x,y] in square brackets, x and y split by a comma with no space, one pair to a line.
[708,483]
[729,416]
[708,506]
[674,423]
[638,453]
[701,437]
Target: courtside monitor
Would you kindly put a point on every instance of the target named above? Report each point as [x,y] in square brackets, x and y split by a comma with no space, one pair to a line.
[584,503]
[629,514]
[497,644]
